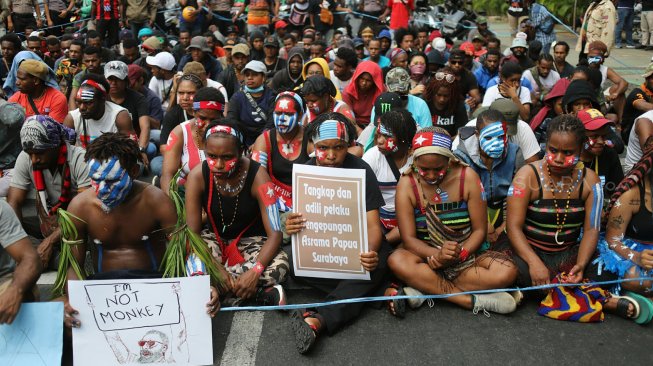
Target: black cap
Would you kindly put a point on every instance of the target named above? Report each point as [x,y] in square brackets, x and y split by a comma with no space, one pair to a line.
[436,58]
[387,102]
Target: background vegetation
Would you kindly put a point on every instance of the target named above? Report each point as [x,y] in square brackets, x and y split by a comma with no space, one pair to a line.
[563,9]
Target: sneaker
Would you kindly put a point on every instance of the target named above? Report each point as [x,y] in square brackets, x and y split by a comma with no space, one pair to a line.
[271,296]
[617,46]
[498,302]
[631,46]
[640,47]
[417,302]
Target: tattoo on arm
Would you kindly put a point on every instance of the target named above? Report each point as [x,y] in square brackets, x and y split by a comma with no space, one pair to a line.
[616,222]
[634,202]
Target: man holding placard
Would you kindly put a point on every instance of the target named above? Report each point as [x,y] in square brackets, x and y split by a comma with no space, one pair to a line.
[331,135]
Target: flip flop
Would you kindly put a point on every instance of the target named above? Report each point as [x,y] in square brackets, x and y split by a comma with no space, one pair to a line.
[305,335]
[399,305]
[645,308]
[622,307]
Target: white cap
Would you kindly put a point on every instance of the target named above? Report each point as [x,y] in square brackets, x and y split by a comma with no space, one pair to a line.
[256,66]
[521,35]
[162,60]
[439,44]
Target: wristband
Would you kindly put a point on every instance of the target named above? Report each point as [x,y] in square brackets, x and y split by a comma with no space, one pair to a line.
[258,268]
[463,255]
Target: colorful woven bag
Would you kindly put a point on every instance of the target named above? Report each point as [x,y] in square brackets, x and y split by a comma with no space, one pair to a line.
[583,303]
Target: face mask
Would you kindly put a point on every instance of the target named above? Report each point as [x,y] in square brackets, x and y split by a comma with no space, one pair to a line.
[254,90]
[417,70]
[110,182]
[492,140]
[285,115]
[594,60]
[569,162]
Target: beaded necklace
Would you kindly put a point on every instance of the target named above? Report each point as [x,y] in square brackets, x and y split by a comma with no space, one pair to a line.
[572,187]
[229,189]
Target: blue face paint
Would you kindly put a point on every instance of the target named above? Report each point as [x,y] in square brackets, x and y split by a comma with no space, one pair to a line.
[285,122]
[111,182]
[254,90]
[492,140]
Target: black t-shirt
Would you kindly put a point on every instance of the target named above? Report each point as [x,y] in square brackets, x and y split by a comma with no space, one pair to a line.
[137,106]
[373,198]
[173,118]
[280,64]
[630,112]
[467,82]
[449,121]
[609,170]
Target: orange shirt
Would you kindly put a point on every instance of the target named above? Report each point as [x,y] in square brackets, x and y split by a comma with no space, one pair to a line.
[53,103]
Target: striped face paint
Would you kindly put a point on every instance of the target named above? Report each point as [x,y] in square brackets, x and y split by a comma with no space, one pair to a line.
[110,181]
[285,115]
[261,157]
[268,197]
[492,140]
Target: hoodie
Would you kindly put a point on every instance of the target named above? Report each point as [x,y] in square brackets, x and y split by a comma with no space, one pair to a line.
[255,54]
[282,80]
[579,89]
[557,91]
[362,104]
[325,69]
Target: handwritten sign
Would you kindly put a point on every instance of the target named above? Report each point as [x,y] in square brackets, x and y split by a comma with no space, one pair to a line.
[35,336]
[142,321]
[332,201]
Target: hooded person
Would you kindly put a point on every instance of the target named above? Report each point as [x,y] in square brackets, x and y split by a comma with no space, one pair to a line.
[366,85]
[311,68]
[320,96]
[292,76]
[551,107]
[10,87]
[256,53]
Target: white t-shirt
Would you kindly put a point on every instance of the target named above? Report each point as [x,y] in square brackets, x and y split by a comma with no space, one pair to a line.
[634,151]
[162,89]
[547,83]
[525,139]
[386,179]
[339,84]
[493,94]
[220,87]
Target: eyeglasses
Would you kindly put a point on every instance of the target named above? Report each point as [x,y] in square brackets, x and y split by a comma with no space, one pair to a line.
[446,76]
[149,343]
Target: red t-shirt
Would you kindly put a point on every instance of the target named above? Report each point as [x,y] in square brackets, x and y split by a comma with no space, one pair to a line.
[53,103]
[399,13]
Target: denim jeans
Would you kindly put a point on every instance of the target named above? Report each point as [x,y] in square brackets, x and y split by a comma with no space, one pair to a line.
[626,24]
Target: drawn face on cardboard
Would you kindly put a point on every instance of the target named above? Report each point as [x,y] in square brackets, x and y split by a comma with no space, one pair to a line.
[154,345]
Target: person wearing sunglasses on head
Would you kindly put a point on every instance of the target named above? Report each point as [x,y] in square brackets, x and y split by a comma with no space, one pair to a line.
[616,94]
[445,102]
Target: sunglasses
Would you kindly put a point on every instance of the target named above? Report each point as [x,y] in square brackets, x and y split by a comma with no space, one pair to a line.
[149,343]
[446,76]
[455,62]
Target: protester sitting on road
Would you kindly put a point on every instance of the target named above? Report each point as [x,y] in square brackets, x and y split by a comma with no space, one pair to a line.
[185,144]
[320,96]
[442,236]
[551,107]
[36,94]
[17,281]
[57,171]
[361,93]
[332,134]
[639,100]
[510,88]
[389,158]
[242,227]
[596,56]
[487,150]
[446,104]
[639,139]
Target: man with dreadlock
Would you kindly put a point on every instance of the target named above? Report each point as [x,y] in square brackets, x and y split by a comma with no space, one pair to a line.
[55,168]
[627,248]
[96,114]
[125,219]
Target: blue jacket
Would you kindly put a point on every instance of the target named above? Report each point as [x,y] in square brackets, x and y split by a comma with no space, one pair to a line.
[250,123]
[483,77]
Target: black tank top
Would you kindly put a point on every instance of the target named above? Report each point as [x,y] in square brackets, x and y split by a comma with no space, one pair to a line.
[248,210]
[640,227]
[279,167]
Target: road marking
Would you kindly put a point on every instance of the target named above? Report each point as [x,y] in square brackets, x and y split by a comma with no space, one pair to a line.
[242,342]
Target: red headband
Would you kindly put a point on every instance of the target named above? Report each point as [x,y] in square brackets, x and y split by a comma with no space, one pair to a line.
[207,104]
[95,85]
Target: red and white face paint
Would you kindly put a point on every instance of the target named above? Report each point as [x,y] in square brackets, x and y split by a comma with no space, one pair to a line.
[570,161]
[230,167]
[439,176]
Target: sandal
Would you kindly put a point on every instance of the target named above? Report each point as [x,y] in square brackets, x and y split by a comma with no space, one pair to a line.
[305,334]
[396,307]
[645,308]
[623,303]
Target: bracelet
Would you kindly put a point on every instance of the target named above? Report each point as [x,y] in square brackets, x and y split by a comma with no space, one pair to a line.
[463,255]
[258,268]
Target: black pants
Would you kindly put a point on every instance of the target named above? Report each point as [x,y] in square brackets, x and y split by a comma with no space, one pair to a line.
[109,30]
[56,23]
[336,316]
[220,23]
[22,21]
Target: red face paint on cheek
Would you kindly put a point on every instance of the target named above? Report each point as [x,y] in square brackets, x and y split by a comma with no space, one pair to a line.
[320,155]
[231,166]
[570,161]
[211,163]
[391,144]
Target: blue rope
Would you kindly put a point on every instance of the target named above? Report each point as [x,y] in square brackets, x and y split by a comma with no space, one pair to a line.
[441,296]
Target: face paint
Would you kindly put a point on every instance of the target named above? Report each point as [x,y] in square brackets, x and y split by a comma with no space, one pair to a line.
[594,59]
[110,181]
[268,197]
[315,109]
[390,144]
[438,178]
[230,166]
[201,123]
[285,115]
[569,162]
[320,155]
[492,140]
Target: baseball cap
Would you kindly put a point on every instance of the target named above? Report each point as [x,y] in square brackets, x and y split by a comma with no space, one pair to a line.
[397,80]
[385,34]
[256,66]
[162,60]
[481,20]
[648,72]
[152,43]
[358,42]
[439,44]
[240,48]
[593,119]
[229,44]
[126,33]
[468,47]
[134,72]
[232,29]
[510,112]
[145,31]
[280,24]
[519,42]
[35,68]
[200,43]
[117,69]
[436,58]
[271,41]
[478,37]
[386,102]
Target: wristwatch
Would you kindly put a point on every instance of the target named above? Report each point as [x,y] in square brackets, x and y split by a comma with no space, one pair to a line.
[142,149]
